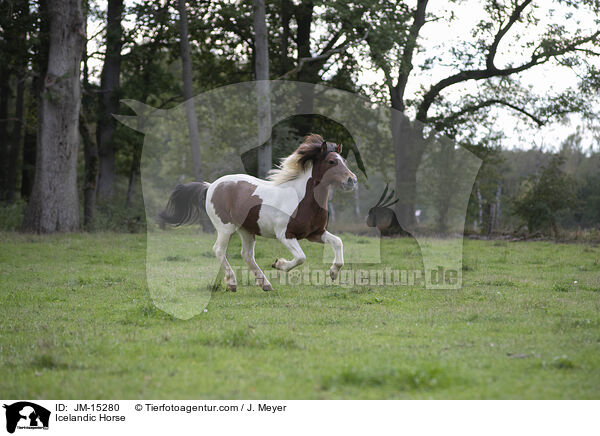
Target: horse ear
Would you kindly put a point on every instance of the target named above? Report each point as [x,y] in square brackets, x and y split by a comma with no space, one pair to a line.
[129,121]
[339,148]
[143,113]
[138,107]
[324,147]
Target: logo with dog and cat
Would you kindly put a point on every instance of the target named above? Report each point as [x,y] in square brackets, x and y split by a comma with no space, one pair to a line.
[24,415]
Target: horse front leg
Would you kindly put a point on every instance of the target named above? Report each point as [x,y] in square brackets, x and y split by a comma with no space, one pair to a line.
[295,249]
[338,253]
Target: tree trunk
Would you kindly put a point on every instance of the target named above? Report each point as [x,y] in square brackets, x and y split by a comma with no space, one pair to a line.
[310,71]
[20,41]
[407,137]
[186,72]
[190,109]
[134,169]
[15,140]
[90,153]
[357,202]
[28,164]
[109,99]
[261,48]
[90,148]
[54,204]
[4,142]
[491,215]
[479,206]
[133,177]
[286,15]
[498,197]
[40,66]
[408,149]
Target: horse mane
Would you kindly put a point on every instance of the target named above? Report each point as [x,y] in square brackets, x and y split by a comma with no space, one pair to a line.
[299,161]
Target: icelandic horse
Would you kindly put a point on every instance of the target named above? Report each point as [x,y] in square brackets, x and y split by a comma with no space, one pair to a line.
[290,205]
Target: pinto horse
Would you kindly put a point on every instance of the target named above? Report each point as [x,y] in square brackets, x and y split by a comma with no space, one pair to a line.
[290,205]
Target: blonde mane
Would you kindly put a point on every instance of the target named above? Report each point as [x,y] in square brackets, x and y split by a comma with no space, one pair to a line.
[296,163]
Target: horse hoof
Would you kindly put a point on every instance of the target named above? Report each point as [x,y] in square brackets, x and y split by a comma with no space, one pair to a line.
[274,264]
[232,288]
[335,270]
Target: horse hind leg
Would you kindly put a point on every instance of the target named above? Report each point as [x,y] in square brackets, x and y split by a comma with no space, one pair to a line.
[220,250]
[248,241]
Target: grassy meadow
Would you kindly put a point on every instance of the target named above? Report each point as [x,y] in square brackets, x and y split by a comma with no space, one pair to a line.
[77,321]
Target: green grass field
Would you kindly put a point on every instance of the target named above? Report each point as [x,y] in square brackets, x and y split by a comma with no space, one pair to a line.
[77,321]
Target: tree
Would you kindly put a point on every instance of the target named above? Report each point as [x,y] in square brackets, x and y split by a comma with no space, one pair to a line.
[588,195]
[15,64]
[109,98]
[395,42]
[547,193]
[4,98]
[146,72]
[90,146]
[40,49]
[485,207]
[312,63]
[188,92]
[189,103]
[54,204]
[302,52]
[261,66]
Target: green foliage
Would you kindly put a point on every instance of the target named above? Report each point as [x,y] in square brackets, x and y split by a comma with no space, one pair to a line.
[117,218]
[221,37]
[11,215]
[547,193]
[588,195]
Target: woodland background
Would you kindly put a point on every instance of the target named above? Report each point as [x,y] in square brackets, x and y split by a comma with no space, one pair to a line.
[68,165]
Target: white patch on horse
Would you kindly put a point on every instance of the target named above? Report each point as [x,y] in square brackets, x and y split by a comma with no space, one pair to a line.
[280,203]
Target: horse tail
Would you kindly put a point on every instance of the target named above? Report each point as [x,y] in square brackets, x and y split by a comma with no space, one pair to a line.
[185,204]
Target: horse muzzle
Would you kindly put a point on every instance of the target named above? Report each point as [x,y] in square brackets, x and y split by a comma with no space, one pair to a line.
[350,184]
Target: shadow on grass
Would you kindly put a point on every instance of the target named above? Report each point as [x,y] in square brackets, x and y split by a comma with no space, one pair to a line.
[141,316]
[49,361]
[402,379]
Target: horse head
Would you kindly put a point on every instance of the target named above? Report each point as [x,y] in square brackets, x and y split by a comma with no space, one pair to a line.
[331,168]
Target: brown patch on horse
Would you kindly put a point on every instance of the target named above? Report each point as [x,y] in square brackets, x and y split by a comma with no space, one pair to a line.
[316,237]
[235,203]
[309,219]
